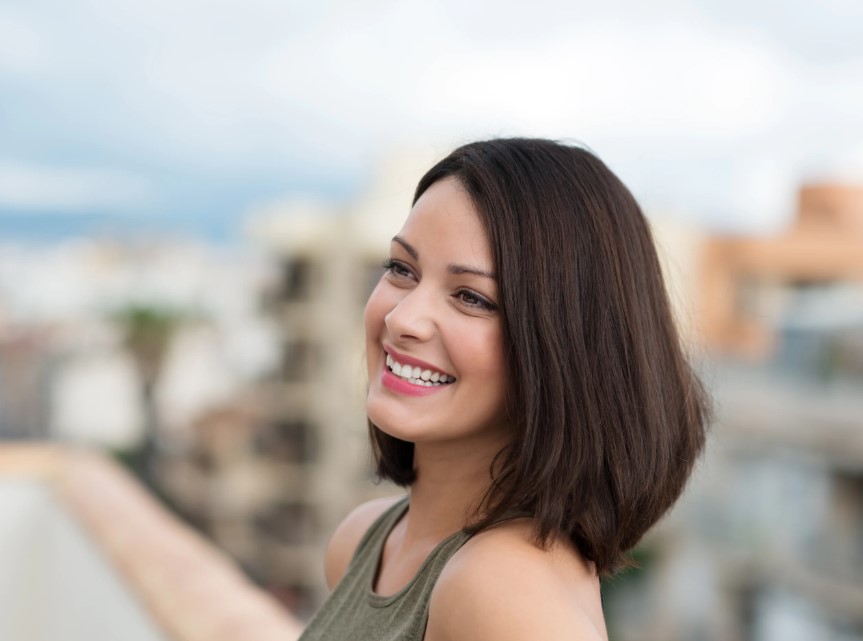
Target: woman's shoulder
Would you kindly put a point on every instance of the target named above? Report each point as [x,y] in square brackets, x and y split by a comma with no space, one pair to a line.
[349,533]
[500,585]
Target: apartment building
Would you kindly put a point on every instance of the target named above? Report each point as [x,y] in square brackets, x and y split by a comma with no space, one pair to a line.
[271,473]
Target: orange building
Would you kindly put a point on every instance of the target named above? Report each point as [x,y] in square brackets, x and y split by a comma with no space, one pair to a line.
[746,282]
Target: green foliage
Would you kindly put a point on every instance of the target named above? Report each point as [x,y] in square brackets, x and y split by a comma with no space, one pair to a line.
[148,330]
[148,324]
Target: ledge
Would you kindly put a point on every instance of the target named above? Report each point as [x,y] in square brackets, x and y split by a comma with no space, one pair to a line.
[193,591]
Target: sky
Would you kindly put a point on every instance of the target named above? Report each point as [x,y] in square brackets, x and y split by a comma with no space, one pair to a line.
[179,116]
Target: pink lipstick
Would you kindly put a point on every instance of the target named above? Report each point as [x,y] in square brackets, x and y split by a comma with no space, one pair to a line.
[400,385]
[410,360]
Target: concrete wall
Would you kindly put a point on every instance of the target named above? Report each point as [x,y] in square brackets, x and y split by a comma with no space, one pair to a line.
[54,584]
[87,554]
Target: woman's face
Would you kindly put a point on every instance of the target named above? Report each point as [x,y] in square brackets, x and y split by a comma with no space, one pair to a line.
[434,343]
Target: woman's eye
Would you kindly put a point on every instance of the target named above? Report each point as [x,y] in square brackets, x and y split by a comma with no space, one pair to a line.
[472,299]
[397,268]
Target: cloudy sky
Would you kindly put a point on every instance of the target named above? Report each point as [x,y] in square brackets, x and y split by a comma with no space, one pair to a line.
[179,115]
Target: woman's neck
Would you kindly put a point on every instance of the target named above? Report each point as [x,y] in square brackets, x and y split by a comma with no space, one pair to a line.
[451,483]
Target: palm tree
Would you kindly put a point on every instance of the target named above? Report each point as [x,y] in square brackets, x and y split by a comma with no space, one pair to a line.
[147,334]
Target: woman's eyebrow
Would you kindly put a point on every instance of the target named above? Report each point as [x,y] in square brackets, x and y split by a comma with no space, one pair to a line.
[408,247]
[452,269]
[464,269]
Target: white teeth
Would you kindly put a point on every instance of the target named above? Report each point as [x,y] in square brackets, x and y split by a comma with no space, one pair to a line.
[417,376]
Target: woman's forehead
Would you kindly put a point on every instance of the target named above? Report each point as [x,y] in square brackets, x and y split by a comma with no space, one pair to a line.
[444,220]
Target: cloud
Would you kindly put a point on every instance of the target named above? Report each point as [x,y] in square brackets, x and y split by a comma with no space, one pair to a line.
[20,46]
[636,81]
[242,92]
[34,187]
[242,81]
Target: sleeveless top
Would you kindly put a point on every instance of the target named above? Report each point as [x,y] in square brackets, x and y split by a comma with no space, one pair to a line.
[354,612]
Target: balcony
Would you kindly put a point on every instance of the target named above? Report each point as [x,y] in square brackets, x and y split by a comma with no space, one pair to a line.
[86,553]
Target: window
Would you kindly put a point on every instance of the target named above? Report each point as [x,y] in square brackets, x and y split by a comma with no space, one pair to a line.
[297,278]
[299,358]
[288,441]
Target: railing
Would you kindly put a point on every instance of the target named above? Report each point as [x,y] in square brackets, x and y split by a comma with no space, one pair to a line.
[87,553]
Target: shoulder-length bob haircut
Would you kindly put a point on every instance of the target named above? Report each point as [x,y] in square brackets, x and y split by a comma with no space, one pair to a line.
[608,413]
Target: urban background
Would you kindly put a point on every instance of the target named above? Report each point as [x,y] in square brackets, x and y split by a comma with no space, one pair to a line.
[195,201]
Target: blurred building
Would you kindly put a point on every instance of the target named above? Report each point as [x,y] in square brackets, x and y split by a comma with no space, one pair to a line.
[767,543]
[275,469]
[65,368]
[752,289]
[26,367]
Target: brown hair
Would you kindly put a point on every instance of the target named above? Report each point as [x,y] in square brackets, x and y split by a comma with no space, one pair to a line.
[610,417]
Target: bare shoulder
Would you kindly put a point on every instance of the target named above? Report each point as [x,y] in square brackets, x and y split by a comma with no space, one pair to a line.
[348,534]
[501,586]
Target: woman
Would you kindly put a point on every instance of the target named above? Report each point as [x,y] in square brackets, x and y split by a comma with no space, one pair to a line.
[526,382]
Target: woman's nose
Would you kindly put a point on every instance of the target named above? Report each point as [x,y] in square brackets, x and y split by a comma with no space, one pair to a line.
[411,318]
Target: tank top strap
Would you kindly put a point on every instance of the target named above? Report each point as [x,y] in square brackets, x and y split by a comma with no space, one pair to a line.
[368,554]
[374,537]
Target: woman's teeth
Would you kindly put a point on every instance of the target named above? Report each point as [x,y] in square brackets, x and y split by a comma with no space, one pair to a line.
[417,376]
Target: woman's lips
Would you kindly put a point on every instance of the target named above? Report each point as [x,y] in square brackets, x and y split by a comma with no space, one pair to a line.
[399,385]
[410,360]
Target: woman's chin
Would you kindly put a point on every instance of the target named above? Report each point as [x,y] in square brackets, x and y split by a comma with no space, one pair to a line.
[385,425]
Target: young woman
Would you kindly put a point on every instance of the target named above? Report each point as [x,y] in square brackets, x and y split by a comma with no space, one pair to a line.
[527,384]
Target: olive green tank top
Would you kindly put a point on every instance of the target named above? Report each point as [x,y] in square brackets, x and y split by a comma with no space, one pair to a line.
[354,612]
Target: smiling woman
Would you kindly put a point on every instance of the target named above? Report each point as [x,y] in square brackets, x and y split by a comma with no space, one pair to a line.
[528,386]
